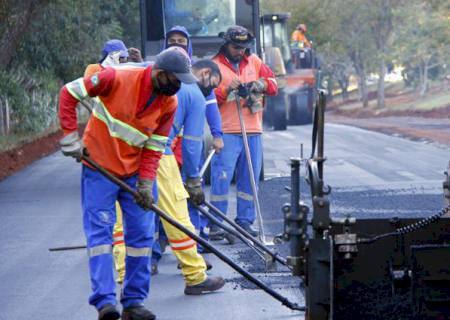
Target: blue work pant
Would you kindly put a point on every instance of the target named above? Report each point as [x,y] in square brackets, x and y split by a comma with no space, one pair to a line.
[99,216]
[230,160]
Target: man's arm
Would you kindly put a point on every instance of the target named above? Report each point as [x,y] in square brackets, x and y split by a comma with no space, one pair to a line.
[192,144]
[156,144]
[213,116]
[97,84]
[271,86]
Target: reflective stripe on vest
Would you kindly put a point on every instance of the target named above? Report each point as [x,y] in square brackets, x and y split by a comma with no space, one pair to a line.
[156,143]
[138,252]
[77,89]
[119,129]
[99,250]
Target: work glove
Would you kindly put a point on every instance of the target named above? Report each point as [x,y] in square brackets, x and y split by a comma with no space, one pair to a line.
[145,191]
[72,146]
[218,144]
[194,188]
[258,86]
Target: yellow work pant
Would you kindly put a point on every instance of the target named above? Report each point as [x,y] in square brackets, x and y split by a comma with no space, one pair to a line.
[119,245]
[172,200]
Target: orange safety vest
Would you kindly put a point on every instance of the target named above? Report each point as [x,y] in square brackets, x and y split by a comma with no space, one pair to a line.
[228,110]
[115,135]
[299,37]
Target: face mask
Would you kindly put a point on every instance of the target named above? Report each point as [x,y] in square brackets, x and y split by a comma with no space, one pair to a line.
[111,59]
[168,89]
[184,47]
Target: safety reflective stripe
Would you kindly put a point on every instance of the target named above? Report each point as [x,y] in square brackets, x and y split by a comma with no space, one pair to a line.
[117,128]
[182,244]
[138,252]
[77,89]
[156,143]
[212,101]
[273,80]
[194,138]
[118,238]
[218,197]
[99,250]
[245,196]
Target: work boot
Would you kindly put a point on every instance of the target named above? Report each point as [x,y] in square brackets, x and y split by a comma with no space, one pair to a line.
[216,234]
[209,285]
[250,230]
[137,313]
[155,270]
[108,312]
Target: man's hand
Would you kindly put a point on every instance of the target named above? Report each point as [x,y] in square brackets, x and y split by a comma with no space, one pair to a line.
[72,146]
[218,144]
[134,55]
[194,188]
[258,86]
[145,190]
[234,85]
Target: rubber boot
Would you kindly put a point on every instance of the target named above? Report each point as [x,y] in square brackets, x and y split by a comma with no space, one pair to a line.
[209,285]
[137,313]
[108,312]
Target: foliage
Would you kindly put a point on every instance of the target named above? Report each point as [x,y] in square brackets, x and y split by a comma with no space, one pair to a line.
[361,37]
[60,38]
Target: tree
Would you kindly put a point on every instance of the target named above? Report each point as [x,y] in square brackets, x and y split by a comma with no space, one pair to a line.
[422,39]
[15,17]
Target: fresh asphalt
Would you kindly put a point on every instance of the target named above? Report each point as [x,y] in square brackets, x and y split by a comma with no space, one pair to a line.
[371,174]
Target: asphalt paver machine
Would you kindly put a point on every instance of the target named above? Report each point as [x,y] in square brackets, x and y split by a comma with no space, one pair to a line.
[391,268]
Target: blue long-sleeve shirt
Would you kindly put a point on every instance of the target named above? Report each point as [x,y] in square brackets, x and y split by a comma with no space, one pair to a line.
[213,116]
[189,117]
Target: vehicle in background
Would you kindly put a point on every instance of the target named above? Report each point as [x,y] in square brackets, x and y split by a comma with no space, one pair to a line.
[297,81]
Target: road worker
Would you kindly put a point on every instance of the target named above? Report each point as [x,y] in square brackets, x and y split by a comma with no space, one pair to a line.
[190,117]
[239,68]
[126,135]
[178,36]
[299,43]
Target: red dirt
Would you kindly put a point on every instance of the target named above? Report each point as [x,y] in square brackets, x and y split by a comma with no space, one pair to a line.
[20,157]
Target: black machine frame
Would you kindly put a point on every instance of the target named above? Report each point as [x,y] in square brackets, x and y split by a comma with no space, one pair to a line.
[373,269]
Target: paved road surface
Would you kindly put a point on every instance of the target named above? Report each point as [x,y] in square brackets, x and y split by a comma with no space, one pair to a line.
[40,208]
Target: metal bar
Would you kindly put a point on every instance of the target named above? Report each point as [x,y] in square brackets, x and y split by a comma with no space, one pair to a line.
[67,248]
[242,231]
[204,243]
[229,230]
[262,235]
[207,161]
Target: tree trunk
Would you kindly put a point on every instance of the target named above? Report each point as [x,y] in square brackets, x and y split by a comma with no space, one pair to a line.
[19,18]
[381,84]
[362,84]
[424,78]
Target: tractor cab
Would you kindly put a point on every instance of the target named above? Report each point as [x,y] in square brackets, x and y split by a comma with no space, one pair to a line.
[203,19]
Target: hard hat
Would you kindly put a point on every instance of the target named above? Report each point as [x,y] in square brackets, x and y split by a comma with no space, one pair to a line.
[239,36]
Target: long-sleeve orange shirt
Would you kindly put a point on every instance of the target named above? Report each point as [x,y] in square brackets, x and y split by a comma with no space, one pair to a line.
[130,124]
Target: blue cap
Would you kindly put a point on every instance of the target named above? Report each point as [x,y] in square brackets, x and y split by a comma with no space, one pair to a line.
[113,46]
[177,61]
